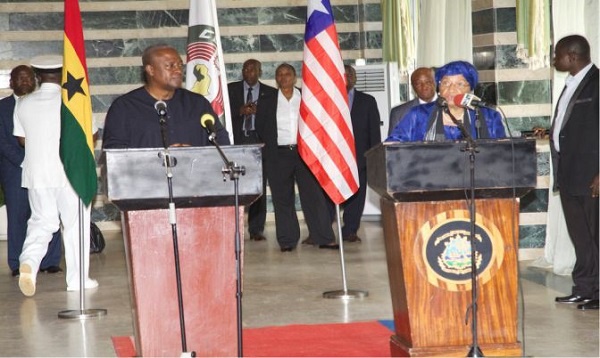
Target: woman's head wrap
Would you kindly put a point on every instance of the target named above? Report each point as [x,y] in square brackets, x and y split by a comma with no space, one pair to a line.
[463,68]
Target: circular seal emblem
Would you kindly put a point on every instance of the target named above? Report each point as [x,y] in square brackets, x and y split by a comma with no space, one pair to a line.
[444,250]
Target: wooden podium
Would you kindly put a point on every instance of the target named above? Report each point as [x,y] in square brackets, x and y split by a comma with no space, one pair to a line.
[426,223]
[136,182]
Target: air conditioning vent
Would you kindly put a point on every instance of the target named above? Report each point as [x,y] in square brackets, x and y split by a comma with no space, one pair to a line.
[370,79]
[380,80]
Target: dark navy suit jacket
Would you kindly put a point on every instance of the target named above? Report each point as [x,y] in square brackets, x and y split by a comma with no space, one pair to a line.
[366,126]
[11,152]
[237,98]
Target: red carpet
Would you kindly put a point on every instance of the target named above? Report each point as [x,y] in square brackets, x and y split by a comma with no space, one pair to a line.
[362,339]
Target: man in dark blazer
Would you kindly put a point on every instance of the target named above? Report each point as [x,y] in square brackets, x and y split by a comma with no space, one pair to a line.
[247,115]
[22,82]
[367,133]
[574,148]
[423,84]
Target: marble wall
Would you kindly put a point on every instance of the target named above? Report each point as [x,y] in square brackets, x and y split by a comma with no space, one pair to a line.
[523,95]
[116,32]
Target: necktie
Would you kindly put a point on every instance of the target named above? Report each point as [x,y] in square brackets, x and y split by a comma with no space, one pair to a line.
[249,119]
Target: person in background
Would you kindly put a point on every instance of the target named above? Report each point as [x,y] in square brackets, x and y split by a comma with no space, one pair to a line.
[366,128]
[22,82]
[433,121]
[285,168]
[423,84]
[132,119]
[53,201]
[574,149]
[244,103]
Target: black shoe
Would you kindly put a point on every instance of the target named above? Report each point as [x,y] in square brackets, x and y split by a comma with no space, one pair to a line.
[287,249]
[15,273]
[257,237]
[571,299]
[308,241]
[352,238]
[330,246]
[51,269]
[590,305]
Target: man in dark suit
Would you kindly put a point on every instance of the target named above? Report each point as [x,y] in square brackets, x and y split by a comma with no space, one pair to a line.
[423,84]
[245,105]
[22,82]
[574,148]
[367,133]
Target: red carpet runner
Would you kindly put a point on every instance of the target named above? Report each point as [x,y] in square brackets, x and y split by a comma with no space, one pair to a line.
[362,339]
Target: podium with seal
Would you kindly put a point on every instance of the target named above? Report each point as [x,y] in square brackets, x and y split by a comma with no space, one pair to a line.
[425,191]
[205,219]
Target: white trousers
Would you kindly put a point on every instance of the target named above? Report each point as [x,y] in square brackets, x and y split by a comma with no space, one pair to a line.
[49,208]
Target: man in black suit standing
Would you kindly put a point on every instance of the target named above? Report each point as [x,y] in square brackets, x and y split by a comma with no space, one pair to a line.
[244,101]
[423,83]
[574,148]
[367,133]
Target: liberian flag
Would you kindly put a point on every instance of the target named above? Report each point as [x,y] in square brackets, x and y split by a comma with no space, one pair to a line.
[76,138]
[205,66]
[325,138]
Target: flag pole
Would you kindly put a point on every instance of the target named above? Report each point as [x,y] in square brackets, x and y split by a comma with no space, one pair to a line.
[325,137]
[344,293]
[82,313]
[76,112]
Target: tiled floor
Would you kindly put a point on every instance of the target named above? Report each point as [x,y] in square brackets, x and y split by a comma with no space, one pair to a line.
[279,289]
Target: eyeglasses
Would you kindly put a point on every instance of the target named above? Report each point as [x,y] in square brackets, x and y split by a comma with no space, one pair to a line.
[459,85]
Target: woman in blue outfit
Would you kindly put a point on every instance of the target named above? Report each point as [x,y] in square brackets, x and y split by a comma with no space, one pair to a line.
[431,121]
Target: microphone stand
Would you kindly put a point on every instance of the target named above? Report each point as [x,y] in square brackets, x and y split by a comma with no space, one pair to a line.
[471,147]
[234,170]
[169,163]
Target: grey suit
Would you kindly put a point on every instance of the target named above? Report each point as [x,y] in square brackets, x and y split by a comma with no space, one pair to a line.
[399,111]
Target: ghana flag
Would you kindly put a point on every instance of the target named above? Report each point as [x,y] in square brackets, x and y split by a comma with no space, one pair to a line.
[76,138]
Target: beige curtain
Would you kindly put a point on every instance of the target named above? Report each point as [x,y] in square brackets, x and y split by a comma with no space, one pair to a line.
[533,32]
[428,33]
[398,39]
[592,27]
[445,32]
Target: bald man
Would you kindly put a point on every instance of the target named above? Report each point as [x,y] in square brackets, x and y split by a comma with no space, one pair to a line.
[423,84]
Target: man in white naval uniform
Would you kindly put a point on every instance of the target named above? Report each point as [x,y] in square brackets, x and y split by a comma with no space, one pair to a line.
[51,197]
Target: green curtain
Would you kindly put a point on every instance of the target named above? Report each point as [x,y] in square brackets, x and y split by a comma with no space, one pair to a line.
[398,40]
[533,32]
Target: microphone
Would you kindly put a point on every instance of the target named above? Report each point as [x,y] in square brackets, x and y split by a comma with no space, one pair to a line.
[471,101]
[441,102]
[161,108]
[208,121]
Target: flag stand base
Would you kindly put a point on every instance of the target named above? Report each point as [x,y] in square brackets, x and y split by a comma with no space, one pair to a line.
[82,314]
[345,294]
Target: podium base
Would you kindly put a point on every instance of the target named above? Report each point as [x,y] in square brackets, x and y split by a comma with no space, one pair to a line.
[400,348]
[345,295]
[82,314]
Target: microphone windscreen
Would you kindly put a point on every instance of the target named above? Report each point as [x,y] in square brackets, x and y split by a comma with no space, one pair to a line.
[160,106]
[459,100]
[207,120]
